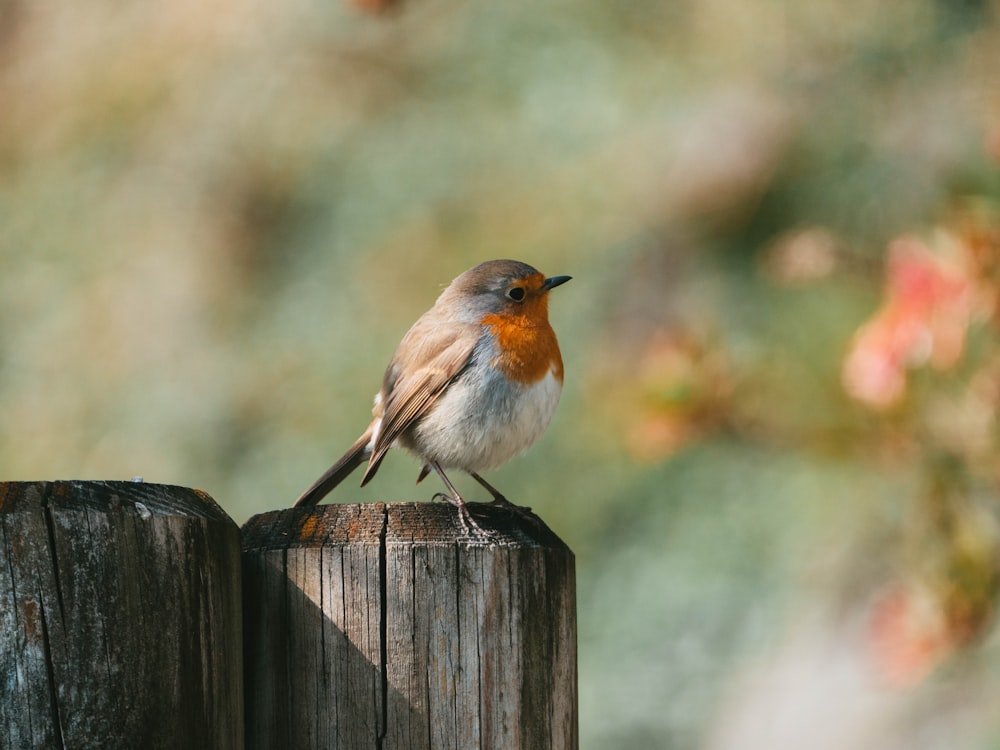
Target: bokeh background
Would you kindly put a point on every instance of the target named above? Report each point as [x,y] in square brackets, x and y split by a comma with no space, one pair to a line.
[776,454]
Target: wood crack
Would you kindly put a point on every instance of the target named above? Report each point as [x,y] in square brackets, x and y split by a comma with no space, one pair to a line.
[383,633]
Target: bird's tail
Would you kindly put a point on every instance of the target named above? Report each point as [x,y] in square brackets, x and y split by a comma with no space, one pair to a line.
[356,455]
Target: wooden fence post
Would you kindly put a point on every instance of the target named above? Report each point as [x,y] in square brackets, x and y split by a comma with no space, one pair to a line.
[384,626]
[119,617]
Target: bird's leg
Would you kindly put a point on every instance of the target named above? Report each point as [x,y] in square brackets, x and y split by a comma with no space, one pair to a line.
[464,517]
[499,499]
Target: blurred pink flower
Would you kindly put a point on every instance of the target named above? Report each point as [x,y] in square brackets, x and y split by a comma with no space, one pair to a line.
[908,636]
[917,624]
[923,320]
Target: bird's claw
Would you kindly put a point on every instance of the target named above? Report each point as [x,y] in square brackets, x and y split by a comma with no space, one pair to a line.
[469,525]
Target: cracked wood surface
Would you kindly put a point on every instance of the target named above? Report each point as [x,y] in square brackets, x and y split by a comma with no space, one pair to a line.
[384,626]
[119,617]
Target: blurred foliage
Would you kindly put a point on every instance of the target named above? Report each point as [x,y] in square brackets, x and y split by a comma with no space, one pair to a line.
[776,455]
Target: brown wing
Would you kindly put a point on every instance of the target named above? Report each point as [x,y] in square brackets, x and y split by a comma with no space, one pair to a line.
[444,350]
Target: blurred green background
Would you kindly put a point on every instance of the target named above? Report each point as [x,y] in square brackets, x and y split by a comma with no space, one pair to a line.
[217,220]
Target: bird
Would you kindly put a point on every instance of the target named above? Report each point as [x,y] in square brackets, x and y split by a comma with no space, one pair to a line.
[473,383]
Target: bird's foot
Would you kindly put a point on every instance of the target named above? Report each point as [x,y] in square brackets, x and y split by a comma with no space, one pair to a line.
[499,500]
[469,525]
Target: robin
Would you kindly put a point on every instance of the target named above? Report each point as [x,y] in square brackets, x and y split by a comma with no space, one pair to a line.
[473,383]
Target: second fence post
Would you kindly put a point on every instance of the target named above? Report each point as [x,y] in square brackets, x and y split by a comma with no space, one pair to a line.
[119,618]
[384,626]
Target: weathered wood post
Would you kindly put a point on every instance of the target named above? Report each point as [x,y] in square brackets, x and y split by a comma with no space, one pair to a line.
[384,626]
[119,617]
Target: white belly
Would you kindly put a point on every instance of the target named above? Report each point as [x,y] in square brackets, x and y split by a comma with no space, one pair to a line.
[480,423]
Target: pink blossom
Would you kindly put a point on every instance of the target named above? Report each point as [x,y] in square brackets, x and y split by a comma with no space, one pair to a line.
[923,320]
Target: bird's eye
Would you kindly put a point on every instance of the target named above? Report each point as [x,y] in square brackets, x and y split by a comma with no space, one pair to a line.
[516,293]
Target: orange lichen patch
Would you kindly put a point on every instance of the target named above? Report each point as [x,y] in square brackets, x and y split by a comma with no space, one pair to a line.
[527,343]
[309,526]
[202,495]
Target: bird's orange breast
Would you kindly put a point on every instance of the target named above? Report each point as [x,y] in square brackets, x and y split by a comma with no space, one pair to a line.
[527,345]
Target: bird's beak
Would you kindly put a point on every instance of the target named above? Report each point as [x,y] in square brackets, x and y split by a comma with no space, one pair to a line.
[555,281]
